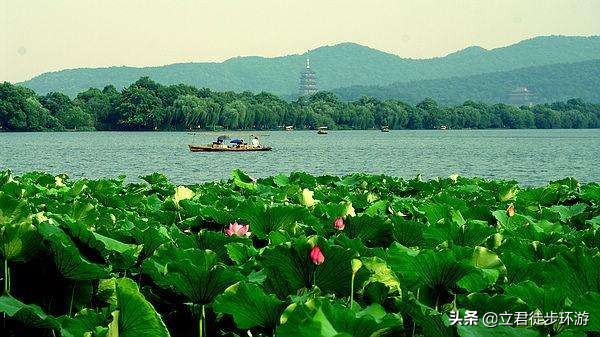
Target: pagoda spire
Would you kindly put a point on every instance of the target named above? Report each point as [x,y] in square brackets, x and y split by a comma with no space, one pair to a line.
[308,80]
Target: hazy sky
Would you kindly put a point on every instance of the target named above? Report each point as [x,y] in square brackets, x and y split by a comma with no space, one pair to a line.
[45,35]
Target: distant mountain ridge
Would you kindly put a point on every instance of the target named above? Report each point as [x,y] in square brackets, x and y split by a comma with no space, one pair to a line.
[548,83]
[341,65]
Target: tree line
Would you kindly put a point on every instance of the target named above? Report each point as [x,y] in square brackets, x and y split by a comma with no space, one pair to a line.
[148,105]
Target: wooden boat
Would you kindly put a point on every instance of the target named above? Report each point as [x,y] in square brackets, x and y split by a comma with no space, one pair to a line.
[385,128]
[288,128]
[322,130]
[210,148]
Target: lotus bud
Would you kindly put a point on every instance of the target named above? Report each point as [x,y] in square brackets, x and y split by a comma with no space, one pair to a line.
[339,224]
[316,256]
[237,230]
[510,210]
[356,265]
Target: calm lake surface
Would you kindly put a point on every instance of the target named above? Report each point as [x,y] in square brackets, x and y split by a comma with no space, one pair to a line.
[532,157]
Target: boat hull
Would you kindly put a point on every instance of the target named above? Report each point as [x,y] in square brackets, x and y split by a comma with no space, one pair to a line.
[204,148]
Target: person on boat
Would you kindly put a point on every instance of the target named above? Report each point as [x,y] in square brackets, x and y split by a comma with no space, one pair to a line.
[218,142]
[255,142]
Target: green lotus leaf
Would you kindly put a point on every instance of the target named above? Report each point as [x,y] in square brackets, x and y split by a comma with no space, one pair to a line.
[150,239]
[537,298]
[290,269]
[214,241]
[240,253]
[358,246]
[18,237]
[372,230]
[323,318]
[331,210]
[591,192]
[249,305]
[499,331]
[407,232]
[218,215]
[30,314]
[265,219]
[468,234]
[507,192]
[568,212]
[576,272]
[120,255]
[483,303]
[436,213]
[378,207]
[588,304]
[436,273]
[194,273]
[242,180]
[136,316]
[488,267]
[84,322]
[67,258]
[380,272]
[428,321]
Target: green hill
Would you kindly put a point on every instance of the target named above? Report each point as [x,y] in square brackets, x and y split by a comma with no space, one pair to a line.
[341,65]
[548,83]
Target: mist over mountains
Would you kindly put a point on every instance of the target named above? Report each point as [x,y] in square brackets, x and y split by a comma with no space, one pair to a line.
[354,70]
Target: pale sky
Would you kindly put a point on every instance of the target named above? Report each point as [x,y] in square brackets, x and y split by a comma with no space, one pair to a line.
[37,36]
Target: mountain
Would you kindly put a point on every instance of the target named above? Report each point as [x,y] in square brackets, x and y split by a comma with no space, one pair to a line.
[341,65]
[549,83]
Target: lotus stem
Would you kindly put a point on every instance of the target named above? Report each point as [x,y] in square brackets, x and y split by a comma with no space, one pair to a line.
[352,290]
[6,277]
[71,301]
[314,278]
[6,288]
[414,325]
[201,322]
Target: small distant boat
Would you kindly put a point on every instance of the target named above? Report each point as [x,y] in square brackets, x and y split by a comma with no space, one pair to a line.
[210,148]
[288,128]
[322,130]
[385,128]
[444,127]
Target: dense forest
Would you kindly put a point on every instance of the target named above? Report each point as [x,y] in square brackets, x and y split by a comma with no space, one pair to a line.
[337,66]
[148,105]
[547,83]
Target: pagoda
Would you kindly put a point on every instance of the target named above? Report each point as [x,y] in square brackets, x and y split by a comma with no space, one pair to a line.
[308,81]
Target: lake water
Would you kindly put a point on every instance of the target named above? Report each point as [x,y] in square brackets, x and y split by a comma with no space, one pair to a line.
[532,157]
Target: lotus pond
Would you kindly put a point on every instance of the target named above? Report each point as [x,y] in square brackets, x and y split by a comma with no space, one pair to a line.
[298,255]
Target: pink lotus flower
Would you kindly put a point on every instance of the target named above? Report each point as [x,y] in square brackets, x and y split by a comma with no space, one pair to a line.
[237,230]
[339,224]
[316,255]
